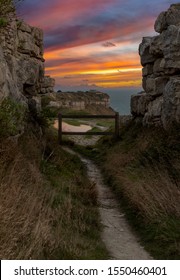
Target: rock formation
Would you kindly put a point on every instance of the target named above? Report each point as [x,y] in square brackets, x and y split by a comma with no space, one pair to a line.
[79,100]
[160,58]
[22,63]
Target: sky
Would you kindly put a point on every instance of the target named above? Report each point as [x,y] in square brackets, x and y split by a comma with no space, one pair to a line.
[93,44]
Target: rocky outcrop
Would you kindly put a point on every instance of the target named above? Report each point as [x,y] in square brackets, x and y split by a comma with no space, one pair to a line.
[160,58]
[21,62]
[79,100]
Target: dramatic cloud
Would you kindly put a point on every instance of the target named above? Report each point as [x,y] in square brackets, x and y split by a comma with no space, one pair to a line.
[93,42]
[109,45]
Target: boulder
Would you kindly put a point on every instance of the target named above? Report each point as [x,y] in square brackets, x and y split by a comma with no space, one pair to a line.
[165,19]
[160,23]
[139,103]
[147,70]
[144,53]
[154,110]
[155,86]
[171,105]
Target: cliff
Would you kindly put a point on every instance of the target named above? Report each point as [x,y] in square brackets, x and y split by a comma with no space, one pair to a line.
[21,63]
[160,57]
[79,100]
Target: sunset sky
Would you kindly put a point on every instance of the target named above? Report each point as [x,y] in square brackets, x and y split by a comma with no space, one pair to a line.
[93,44]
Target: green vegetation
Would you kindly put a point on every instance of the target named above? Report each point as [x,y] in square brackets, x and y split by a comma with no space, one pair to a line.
[73,112]
[77,202]
[105,123]
[74,122]
[3,22]
[6,7]
[12,116]
[48,207]
[143,168]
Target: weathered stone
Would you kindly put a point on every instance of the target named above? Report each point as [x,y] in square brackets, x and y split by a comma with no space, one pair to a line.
[22,63]
[27,45]
[160,56]
[154,86]
[158,67]
[165,19]
[156,46]
[48,82]
[160,23]
[21,25]
[147,70]
[144,53]
[171,43]
[139,103]
[153,114]
[171,105]
[148,84]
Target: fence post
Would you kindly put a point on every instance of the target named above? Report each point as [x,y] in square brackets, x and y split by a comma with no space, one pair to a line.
[60,129]
[117,125]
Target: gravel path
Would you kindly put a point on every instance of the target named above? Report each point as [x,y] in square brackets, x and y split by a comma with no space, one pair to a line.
[121,243]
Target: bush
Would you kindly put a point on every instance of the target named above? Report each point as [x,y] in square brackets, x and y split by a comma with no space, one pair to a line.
[3,22]
[11,117]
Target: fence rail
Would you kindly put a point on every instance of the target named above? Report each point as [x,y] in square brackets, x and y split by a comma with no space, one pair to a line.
[61,132]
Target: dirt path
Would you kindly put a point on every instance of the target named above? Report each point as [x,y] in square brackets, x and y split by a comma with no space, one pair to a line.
[117,235]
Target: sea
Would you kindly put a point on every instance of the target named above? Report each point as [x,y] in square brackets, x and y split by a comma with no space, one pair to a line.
[120,99]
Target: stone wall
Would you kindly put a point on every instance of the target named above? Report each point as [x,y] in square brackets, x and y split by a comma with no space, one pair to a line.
[160,57]
[22,63]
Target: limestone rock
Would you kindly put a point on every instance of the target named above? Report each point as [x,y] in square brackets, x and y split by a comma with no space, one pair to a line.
[139,103]
[147,70]
[156,46]
[154,110]
[165,19]
[155,86]
[8,86]
[144,53]
[171,105]
[79,100]
[48,82]
[160,23]
[22,63]
[23,26]
[160,56]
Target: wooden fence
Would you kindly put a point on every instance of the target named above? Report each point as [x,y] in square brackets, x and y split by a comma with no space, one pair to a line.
[61,132]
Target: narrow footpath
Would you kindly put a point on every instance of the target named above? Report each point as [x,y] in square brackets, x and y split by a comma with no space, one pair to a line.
[120,241]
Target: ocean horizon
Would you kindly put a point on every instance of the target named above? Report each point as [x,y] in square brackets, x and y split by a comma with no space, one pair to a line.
[120,99]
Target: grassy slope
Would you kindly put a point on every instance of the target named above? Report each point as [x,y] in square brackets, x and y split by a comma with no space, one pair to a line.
[143,168]
[48,207]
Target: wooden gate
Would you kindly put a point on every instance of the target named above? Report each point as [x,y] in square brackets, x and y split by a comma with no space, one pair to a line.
[61,132]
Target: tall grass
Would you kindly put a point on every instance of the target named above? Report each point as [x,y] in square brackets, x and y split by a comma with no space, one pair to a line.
[144,169]
[47,209]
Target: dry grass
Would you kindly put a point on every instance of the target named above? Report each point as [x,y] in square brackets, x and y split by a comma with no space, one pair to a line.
[25,222]
[48,216]
[144,167]
[149,188]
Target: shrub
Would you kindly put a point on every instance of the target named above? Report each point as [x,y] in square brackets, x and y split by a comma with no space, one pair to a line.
[3,22]
[11,117]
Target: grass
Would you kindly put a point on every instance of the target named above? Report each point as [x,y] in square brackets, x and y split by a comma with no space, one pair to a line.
[70,111]
[48,207]
[106,123]
[72,122]
[143,168]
